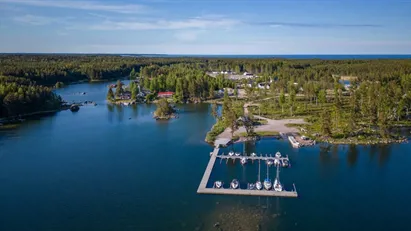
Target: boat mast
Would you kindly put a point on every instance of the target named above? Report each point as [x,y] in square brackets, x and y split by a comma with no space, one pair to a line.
[278,173]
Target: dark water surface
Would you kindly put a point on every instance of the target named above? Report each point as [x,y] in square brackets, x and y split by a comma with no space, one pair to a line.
[115,168]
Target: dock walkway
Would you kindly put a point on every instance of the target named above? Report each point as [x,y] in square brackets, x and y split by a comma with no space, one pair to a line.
[202,188]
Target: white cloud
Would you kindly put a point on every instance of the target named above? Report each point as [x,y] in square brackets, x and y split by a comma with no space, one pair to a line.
[188,36]
[193,23]
[81,5]
[34,20]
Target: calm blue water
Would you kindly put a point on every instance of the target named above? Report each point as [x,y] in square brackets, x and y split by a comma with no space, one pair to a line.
[115,168]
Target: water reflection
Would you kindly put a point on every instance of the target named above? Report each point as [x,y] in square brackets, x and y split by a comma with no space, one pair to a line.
[384,154]
[352,155]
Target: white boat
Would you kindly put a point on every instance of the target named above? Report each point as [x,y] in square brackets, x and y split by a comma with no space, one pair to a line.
[251,186]
[234,184]
[218,184]
[237,154]
[243,161]
[277,186]
[276,162]
[285,163]
[270,162]
[231,153]
[267,184]
[278,155]
[253,154]
[258,185]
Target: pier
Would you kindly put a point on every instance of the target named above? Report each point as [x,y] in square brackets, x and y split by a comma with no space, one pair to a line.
[202,188]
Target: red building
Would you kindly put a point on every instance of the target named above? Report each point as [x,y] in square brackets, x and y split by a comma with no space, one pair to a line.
[165,94]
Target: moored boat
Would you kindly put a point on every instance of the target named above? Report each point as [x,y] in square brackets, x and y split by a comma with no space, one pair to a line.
[234,184]
[276,162]
[285,163]
[243,161]
[237,154]
[267,184]
[218,184]
[231,153]
[269,162]
[277,186]
[258,185]
[251,186]
[278,155]
[253,154]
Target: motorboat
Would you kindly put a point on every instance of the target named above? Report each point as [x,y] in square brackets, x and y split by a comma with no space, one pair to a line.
[218,184]
[276,162]
[270,162]
[267,184]
[278,155]
[277,186]
[231,153]
[258,185]
[285,163]
[251,186]
[234,184]
[243,161]
[253,154]
[237,154]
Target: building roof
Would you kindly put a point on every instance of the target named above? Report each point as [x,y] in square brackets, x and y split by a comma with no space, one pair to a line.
[165,93]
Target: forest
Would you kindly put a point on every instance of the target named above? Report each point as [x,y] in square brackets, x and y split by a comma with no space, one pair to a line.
[379,95]
[20,96]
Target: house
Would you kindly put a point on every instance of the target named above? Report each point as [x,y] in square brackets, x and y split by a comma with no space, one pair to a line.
[165,94]
[125,95]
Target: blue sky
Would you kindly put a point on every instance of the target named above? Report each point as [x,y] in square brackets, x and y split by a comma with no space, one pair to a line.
[206,26]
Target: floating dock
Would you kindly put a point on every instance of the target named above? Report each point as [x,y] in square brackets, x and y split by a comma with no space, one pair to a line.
[253,157]
[202,188]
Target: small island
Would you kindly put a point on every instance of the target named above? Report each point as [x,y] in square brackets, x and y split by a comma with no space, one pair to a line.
[164,110]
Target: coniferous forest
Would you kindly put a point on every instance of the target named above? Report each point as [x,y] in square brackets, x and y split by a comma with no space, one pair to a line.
[379,94]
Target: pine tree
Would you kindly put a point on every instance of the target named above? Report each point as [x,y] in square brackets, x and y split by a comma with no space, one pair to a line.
[326,123]
[119,88]
[179,95]
[282,101]
[110,95]
[322,97]
[214,112]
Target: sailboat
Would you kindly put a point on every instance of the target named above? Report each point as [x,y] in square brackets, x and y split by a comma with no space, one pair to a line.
[243,161]
[278,187]
[267,181]
[218,184]
[258,184]
[234,184]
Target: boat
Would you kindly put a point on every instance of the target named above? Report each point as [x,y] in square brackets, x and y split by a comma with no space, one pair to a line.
[276,162]
[253,154]
[294,142]
[267,184]
[267,181]
[269,162]
[218,184]
[237,154]
[277,184]
[74,108]
[231,153]
[285,163]
[251,186]
[278,155]
[234,184]
[243,161]
[258,185]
